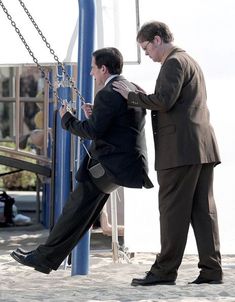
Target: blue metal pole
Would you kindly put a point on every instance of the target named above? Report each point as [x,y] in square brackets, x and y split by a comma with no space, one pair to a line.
[47,185]
[62,154]
[80,254]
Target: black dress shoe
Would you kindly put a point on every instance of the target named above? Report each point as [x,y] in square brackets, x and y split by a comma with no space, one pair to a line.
[32,261]
[201,280]
[151,279]
[23,252]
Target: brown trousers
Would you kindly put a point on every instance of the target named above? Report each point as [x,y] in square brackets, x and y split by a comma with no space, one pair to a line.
[186,196]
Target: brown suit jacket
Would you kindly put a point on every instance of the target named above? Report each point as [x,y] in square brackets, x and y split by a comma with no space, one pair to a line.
[182,131]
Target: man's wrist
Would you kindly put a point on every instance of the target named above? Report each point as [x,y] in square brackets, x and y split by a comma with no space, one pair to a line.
[131,99]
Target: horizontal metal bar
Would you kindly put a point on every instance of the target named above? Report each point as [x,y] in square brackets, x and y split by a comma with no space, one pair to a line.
[25,165]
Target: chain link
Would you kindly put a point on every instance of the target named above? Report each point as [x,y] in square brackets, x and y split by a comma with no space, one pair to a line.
[51,50]
[42,70]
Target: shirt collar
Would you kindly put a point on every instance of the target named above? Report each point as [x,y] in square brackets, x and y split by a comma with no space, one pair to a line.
[110,78]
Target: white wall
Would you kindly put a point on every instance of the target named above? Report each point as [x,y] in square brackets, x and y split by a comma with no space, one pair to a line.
[56,19]
[204,28]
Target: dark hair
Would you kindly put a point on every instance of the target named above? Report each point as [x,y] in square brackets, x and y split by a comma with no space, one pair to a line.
[151,29]
[111,58]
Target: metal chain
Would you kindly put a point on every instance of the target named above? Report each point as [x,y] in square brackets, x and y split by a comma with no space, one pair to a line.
[51,51]
[42,70]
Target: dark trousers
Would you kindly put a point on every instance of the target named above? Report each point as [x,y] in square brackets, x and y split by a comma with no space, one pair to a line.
[79,213]
[186,196]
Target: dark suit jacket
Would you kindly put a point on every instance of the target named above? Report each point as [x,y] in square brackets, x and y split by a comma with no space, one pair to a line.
[118,138]
[180,117]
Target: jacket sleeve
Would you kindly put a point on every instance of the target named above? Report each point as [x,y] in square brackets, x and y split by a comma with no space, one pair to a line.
[167,90]
[105,109]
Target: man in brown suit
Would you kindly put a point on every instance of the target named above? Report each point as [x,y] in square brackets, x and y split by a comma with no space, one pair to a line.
[186,153]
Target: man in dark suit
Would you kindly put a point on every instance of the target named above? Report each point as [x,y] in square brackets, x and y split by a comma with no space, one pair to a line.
[118,144]
[185,155]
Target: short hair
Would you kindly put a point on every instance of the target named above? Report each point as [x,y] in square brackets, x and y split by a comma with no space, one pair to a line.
[154,28]
[111,57]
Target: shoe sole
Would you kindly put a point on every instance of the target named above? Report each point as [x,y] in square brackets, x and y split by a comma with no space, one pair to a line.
[210,282]
[216,282]
[37,268]
[152,284]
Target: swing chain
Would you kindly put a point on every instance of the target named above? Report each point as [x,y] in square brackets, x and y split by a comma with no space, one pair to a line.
[35,60]
[71,82]
[42,70]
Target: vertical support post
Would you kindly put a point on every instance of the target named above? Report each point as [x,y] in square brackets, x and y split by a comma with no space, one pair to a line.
[63,151]
[17,104]
[115,244]
[80,254]
[48,186]
[38,199]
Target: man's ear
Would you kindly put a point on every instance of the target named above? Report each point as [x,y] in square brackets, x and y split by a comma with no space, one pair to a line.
[157,40]
[103,68]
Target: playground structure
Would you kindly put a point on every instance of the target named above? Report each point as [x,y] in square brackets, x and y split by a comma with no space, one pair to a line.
[53,149]
[219,75]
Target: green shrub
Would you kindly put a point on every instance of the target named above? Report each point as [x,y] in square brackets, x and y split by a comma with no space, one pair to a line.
[23,180]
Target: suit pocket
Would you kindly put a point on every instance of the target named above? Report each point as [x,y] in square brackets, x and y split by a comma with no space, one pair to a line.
[199,115]
[103,148]
[170,129]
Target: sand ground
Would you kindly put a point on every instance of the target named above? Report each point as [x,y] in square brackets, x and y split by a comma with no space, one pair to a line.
[107,281]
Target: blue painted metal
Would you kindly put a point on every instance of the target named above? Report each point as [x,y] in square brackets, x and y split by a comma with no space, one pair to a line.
[80,254]
[46,196]
[62,154]
[50,111]
[45,205]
